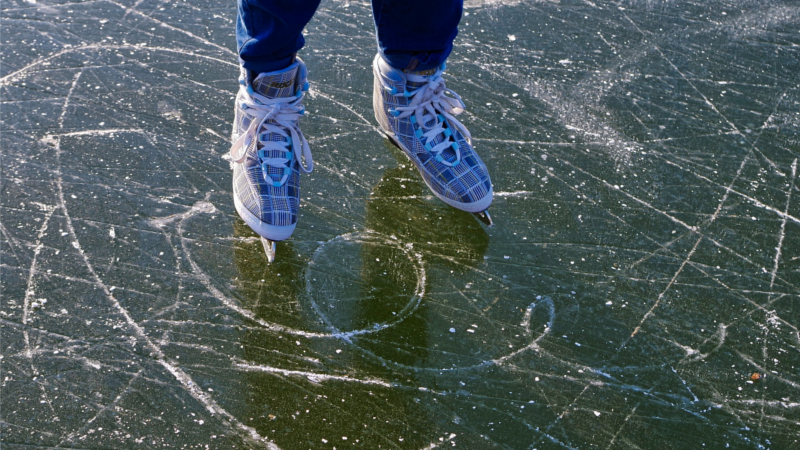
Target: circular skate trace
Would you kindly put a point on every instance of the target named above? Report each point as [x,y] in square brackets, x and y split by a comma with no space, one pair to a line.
[334,296]
[641,270]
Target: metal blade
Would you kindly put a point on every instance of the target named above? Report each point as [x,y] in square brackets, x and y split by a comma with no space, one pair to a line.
[269,248]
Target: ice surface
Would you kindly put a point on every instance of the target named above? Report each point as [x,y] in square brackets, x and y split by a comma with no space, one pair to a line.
[643,263]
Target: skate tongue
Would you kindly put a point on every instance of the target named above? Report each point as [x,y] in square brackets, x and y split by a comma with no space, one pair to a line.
[424,73]
[277,84]
[417,79]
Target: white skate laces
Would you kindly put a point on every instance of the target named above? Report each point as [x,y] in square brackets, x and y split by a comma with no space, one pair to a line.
[428,108]
[284,112]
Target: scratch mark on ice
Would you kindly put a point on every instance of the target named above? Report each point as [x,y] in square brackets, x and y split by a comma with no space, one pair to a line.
[783,225]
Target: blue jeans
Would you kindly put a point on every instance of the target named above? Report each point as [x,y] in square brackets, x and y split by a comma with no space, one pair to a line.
[412,34]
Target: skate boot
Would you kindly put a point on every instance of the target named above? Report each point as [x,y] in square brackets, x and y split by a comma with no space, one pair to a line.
[269,152]
[414,111]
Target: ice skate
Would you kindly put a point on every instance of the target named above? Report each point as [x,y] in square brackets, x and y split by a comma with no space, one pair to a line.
[269,152]
[417,112]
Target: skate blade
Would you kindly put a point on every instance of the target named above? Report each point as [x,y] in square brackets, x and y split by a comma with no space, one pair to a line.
[393,141]
[269,249]
[484,218]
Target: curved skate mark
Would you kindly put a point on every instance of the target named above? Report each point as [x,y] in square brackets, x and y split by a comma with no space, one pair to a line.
[371,237]
[188,384]
[491,362]
[696,355]
[526,325]
[526,319]
[204,206]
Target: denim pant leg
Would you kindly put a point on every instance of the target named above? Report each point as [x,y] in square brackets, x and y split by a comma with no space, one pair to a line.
[416,34]
[412,34]
[268,32]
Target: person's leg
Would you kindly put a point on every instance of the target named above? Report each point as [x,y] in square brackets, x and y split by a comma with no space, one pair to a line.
[416,34]
[269,32]
[269,151]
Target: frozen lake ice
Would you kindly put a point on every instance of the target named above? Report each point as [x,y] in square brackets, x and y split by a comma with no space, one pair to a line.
[642,270]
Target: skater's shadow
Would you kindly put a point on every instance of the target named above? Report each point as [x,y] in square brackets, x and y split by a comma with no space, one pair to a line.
[365,286]
[449,242]
[402,205]
[269,290]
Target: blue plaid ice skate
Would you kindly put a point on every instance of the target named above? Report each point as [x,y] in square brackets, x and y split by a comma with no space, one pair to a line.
[267,151]
[414,110]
